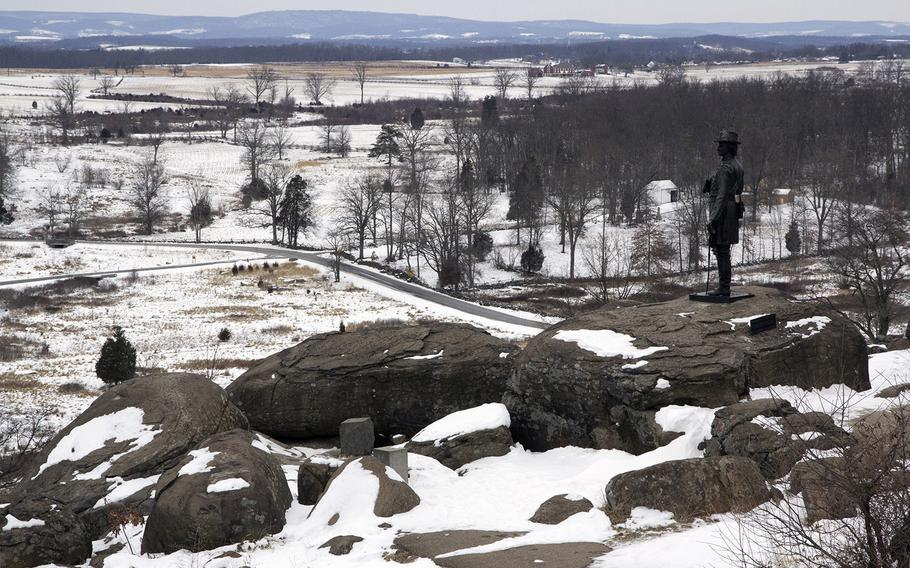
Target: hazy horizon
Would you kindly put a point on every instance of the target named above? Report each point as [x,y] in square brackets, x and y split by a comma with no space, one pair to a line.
[697,11]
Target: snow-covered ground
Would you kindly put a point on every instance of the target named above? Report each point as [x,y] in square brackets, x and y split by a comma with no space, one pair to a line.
[502,493]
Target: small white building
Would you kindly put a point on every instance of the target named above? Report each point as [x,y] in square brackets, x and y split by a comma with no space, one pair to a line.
[661,192]
[781,196]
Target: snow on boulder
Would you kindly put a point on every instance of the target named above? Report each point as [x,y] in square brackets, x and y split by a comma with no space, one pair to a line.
[36,531]
[465,436]
[361,490]
[112,452]
[402,377]
[582,382]
[234,492]
[690,488]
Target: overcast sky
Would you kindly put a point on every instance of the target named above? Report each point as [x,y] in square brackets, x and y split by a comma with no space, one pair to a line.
[640,11]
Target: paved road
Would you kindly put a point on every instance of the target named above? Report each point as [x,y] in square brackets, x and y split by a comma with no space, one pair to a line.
[414,290]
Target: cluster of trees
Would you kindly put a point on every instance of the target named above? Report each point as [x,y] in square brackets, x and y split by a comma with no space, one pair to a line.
[619,53]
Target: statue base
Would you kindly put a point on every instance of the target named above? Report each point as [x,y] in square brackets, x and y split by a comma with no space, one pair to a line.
[709,299]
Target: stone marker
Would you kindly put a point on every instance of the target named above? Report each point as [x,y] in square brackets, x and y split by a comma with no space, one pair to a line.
[356,436]
[395,458]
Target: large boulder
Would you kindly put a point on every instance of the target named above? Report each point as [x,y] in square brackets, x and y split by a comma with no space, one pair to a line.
[465,436]
[576,383]
[402,377]
[360,488]
[736,432]
[689,488]
[223,492]
[115,451]
[36,531]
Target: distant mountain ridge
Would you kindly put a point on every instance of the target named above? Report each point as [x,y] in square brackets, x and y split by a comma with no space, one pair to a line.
[337,25]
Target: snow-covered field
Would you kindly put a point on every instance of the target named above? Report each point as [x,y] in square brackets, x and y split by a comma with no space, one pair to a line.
[20,88]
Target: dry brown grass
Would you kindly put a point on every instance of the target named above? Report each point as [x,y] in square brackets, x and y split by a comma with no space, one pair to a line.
[303,164]
[220,364]
[12,382]
[279,329]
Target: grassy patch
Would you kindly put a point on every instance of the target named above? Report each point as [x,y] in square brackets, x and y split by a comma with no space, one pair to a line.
[220,364]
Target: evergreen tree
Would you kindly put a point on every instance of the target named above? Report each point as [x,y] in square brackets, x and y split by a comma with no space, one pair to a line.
[532,259]
[482,245]
[792,240]
[489,112]
[6,214]
[526,199]
[117,362]
[386,146]
[294,211]
[417,120]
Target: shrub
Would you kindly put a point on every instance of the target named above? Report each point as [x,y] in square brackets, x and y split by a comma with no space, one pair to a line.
[224,334]
[117,362]
[792,239]
[532,259]
[234,270]
[482,245]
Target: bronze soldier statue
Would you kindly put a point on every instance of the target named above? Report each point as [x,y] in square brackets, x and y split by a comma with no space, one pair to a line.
[725,207]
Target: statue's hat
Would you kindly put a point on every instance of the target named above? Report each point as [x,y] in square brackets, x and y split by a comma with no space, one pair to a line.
[728,136]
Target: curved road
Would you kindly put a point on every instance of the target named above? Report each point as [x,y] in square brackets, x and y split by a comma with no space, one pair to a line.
[414,290]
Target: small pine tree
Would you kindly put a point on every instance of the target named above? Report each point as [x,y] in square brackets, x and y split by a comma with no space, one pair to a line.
[117,362]
[792,240]
[532,259]
[481,245]
[417,119]
[224,335]
[234,270]
[6,215]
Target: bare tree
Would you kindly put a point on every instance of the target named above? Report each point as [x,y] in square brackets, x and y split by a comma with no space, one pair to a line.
[200,207]
[359,72]
[106,84]
[531,79]
[359,202]
[275,178]
[318,85]
[67,88]
[9,152]
[176,69]
[260,81]
[254,137]
[342,141]
[147,193]
[51,207]
[504,78]
[327,130]
[339,241]
[229,101]
[873,266]
[609,263]
[281,139]
[75,203]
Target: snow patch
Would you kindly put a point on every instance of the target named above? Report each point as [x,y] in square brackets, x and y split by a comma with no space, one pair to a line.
[200,462]
[606,343]
[433,356]
[225,485]
[736,321]
[635,365]
[819,323]
[483,417]
[645,518]
[14,523]
[662,384]
[120,489]
[121,426]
